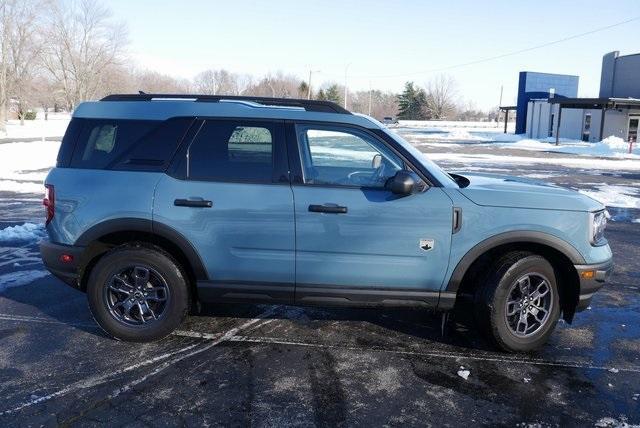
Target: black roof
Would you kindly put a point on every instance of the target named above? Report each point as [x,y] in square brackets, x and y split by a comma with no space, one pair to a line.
[309,105]
[594,103]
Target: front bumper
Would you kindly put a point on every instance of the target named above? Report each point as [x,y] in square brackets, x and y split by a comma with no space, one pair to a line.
[592,278]
[67,271]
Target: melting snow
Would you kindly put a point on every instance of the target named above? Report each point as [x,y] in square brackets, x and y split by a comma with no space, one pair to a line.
[23,232]
[463,373]
[609,422]
[615,196]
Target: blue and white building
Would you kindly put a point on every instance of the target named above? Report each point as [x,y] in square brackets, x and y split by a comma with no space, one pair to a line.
[548,105]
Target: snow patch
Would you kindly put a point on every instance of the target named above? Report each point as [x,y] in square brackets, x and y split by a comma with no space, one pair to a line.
[27,156]
[615,196]
[39,128]
[587,163]
[21,186]
[23,232]
[20,278]
[463,373]
[609,422]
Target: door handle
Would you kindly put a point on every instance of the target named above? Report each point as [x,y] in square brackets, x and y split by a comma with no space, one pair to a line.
[329,209]
[195,203]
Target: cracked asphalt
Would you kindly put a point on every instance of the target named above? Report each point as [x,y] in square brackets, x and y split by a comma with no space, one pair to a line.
[260,365]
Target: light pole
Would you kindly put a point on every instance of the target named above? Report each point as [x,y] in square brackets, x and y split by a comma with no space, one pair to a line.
[309,84]
[370,90]
[346,69]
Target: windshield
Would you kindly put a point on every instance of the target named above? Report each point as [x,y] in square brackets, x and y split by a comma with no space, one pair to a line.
[435,170]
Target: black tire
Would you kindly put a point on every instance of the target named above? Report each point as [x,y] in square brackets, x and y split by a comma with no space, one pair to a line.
[165,271]
[491,297]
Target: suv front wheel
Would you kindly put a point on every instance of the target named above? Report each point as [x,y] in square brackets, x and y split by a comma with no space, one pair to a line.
[138,293]
[518,305]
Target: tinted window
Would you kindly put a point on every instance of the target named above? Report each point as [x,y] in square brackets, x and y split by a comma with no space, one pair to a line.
[154,150]
[232,150]
[103,141]
[69,142]
[341,156]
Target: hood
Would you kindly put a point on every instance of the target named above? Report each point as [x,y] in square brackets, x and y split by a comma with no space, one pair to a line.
[515,192]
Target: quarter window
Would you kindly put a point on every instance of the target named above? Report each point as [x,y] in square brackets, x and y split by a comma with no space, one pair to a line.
[232,151]
[101,142]
[341,156]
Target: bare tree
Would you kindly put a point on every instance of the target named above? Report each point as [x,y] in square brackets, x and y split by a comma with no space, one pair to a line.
[25,52]
[221,82]
[275,85]
[383,104]
[20,50]
[84,45]
[441,92]
[157,83]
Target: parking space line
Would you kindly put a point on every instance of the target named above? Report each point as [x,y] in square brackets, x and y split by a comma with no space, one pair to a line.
[171,358]
[438,354]
[25,318]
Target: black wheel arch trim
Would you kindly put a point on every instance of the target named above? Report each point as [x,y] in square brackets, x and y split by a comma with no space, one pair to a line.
[151,227]
[524,237]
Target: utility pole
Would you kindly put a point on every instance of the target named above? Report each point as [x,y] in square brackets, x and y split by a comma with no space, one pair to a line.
[309,92]
[500,105]
[370,97]
[346,69]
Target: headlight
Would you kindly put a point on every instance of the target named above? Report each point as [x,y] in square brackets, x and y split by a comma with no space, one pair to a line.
[598,223]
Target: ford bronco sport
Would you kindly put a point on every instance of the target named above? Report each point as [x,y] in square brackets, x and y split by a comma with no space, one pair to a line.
[158,201]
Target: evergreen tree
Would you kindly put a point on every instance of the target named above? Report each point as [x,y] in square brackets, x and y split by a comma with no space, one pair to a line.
[333,94]
[303,89]
[411,103]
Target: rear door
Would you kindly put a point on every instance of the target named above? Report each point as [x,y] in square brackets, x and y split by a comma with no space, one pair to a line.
[230,197]
[356,241]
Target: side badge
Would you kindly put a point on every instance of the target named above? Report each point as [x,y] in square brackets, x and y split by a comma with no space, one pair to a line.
[427,244]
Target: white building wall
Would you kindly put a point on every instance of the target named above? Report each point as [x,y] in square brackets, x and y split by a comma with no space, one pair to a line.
[617,123]
[572,123]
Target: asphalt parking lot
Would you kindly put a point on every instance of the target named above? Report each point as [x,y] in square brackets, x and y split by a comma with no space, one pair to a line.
[243,365]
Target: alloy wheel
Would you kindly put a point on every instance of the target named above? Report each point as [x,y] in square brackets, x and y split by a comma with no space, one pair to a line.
[529,304]
[137,295]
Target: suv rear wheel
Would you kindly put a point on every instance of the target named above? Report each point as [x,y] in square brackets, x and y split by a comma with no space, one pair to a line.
[518,304]
[138,293]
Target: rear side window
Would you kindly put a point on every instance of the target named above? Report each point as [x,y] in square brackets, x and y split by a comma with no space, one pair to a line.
[138,145]
[230,150]
[102,141]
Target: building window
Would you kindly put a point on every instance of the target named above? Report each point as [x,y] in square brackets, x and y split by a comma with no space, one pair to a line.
[586,130]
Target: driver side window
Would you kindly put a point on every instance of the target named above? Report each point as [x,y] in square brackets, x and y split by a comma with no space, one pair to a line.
[344,156]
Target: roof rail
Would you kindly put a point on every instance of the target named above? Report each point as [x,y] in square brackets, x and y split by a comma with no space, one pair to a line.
[309,105]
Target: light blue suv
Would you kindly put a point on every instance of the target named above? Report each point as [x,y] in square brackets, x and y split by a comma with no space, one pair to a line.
[159,201]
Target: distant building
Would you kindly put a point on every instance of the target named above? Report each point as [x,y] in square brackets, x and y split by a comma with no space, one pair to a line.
[534,85]
[616,112]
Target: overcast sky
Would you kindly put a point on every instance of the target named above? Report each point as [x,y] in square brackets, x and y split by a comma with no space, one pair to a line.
[384,43]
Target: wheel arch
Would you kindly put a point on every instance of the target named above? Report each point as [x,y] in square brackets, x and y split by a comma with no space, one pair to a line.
[562,255]
[105,235]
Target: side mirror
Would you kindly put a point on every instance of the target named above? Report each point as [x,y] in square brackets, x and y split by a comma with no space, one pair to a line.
[403,183]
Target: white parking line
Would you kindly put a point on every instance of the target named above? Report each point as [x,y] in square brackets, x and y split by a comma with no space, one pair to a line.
[24,318]
[439,354]
[172,357]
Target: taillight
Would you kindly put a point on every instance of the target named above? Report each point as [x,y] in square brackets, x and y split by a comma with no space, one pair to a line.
[49,202]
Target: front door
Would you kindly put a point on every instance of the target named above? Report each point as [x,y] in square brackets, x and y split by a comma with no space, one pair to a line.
[356,242]
[632,134]
[231,199]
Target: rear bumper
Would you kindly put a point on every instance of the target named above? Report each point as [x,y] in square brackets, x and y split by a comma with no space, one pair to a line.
[52,258]
[592,278]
